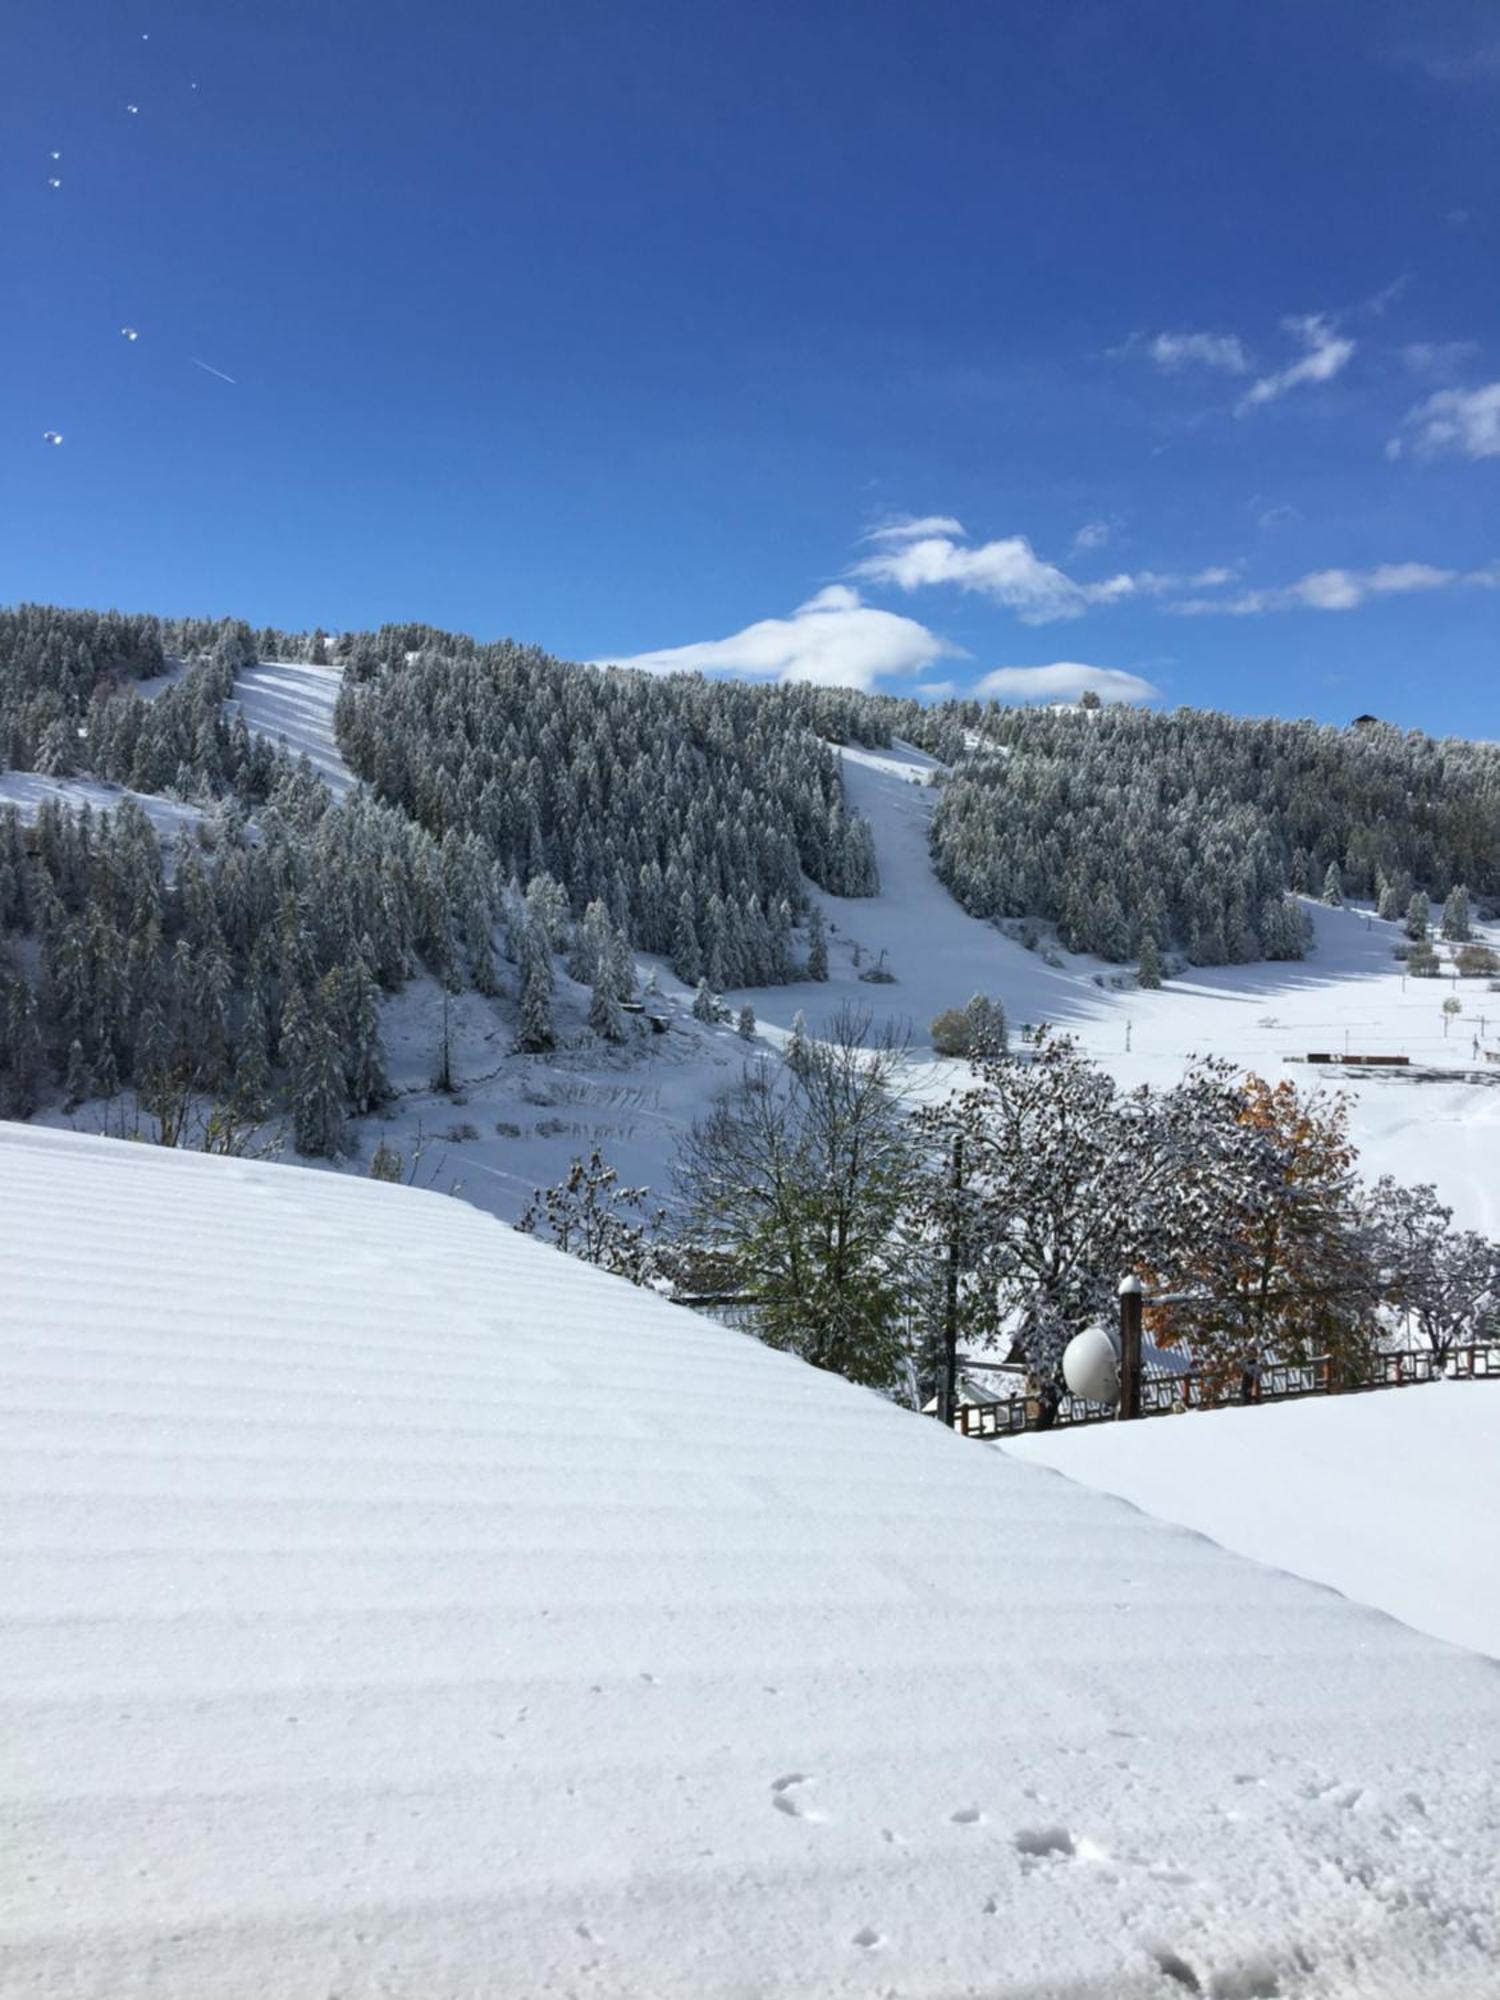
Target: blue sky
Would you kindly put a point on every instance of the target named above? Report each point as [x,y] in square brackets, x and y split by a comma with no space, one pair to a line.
[907,346]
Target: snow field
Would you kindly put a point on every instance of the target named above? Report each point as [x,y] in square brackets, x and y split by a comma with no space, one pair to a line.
[1392,1498]
[393,1606]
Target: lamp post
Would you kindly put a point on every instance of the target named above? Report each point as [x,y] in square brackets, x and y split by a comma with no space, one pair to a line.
[1104,1367]
[1132,1303]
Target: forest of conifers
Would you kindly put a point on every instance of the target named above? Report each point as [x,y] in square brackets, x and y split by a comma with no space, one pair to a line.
[516,807]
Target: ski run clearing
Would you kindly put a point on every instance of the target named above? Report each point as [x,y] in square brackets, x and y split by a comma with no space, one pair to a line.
[396,1607]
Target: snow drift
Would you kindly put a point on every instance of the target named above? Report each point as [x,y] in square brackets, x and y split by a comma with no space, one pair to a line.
[1392,1498]
[395,1607]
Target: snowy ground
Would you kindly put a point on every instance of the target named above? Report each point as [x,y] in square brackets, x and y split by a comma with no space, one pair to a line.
[1392,1498]
[393,1607]
[27,790]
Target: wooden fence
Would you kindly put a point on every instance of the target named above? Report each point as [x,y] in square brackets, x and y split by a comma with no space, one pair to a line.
[1163,1394]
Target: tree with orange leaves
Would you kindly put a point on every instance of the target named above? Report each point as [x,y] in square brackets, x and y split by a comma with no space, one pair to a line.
[1268,1258]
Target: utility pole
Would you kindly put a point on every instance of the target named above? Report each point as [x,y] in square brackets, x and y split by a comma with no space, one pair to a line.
[948,1384]
[1132,1301]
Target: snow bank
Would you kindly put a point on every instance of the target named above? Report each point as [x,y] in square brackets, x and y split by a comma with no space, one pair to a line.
[1392,1498]
[394,1607]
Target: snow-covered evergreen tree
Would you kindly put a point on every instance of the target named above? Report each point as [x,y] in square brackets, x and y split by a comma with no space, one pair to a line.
[536,1032]
[817,944]
[1456,926]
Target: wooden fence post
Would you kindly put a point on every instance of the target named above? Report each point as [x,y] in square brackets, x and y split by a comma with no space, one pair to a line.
[1132,1301]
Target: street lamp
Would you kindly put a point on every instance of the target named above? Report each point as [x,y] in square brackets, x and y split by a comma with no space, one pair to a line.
[1103,1367]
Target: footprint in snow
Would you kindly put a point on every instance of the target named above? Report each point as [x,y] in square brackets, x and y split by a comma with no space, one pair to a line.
[784,1797]
[1045,1843]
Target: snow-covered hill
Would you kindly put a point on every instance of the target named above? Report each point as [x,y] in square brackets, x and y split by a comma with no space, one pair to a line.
[522,1119]
[395,1607]
[1392,1499]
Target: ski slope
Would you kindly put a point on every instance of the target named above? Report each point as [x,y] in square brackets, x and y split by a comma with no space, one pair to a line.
[291,702]
[393,1607]
[1391,1498]
[1264,1017]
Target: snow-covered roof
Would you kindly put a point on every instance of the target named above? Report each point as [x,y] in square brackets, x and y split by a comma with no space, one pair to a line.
[1392,1498]
[395,1607]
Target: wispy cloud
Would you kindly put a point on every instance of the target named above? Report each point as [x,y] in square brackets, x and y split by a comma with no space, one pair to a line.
[912,527]
[834,639]
[1457,59]
[1092,535]
[1328,352]
[1439,360]
[1340,590]
[1064,680]
[1223,351]
[1462,423]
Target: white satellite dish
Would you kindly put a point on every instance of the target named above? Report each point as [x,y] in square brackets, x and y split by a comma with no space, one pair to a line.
[1091,1366]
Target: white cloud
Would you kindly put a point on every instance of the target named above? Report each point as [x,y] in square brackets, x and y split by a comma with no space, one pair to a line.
[833,639]
[1064,680]
[1092,535]
[1008,570]
[1465,422]
[1439,359]
[912,527]
[1224,351]
[1327,353]
[1011,573]
[1338,589]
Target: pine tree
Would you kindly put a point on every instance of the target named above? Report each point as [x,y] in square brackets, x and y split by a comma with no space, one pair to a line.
[537,1032]
[79,1082]
[798,1045]
[817,945]
[23,1092]
[745,1025]
[605,1017]
[317,1084]
[1149,973]
[705,1006]
[1456,915]
[364,1049]
[1333,886]
[1418,916]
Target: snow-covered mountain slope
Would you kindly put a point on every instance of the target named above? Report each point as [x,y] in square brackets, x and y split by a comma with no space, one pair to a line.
[394,1607]
[26,790]
[1351,986]
[1390,1498]
[1257,1015]
[292,702]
